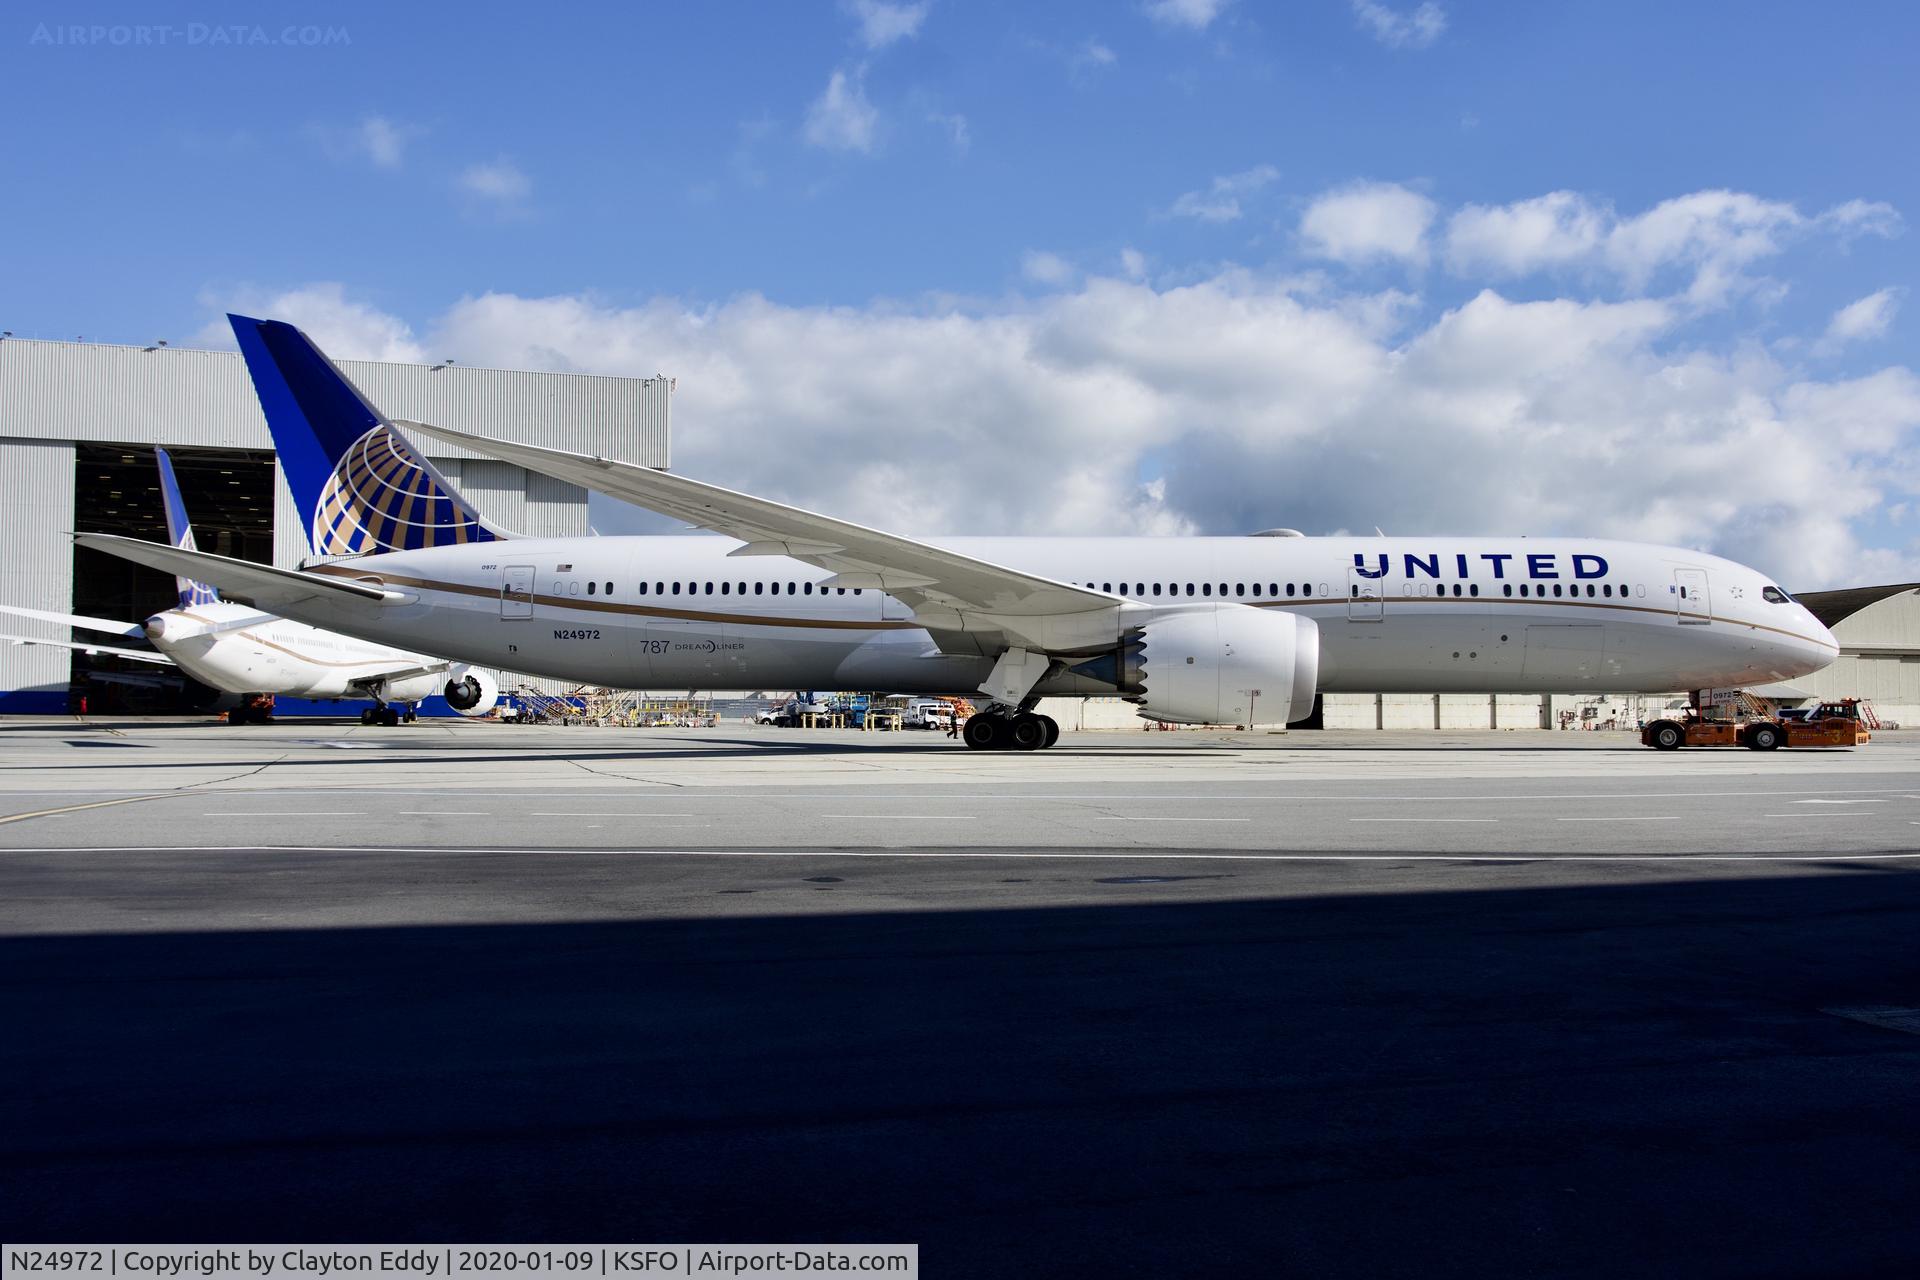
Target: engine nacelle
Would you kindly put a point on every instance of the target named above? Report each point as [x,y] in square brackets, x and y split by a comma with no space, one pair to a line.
[408,691]
[472,691]
[1232,664]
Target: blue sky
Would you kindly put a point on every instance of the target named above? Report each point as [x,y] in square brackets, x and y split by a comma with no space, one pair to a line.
[859,183]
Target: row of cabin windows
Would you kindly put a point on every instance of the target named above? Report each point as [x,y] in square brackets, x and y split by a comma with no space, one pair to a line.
[1525,591]
[1273,590]
[1240,589]
[704,588]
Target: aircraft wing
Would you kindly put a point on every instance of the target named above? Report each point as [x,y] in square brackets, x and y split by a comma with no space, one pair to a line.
[78,620]
[259,585]
[138,655]
[910,570]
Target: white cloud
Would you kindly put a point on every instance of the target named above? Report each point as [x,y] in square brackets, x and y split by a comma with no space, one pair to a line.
[1244,401]
[959,133]
[498,180]
[378,140]
[385,142]
[1859,321]
[349,330]
[1197,14]
[881,24]
[1414,30]
[1526,236]
[1861,217]
[841,118]
[1715,236]
[1540,415]
[1042,267]
[1092,54]
[1133,263]
[1716,232]
[1368,221]
[1220,200]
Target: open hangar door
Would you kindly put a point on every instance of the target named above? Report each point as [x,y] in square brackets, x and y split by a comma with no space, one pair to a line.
[228,494]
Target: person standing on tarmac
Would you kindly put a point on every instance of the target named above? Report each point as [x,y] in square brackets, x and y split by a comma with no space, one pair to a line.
[953,722]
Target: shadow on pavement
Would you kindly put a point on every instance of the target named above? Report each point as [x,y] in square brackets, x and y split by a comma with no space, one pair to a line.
[1600,1080]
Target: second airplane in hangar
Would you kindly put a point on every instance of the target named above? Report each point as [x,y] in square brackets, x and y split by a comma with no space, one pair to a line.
[241,650]
[1192,630]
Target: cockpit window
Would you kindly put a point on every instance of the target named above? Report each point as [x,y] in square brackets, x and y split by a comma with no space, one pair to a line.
[1775,595]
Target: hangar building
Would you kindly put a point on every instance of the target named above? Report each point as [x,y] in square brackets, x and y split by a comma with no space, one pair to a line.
[1879,633]
[78,423]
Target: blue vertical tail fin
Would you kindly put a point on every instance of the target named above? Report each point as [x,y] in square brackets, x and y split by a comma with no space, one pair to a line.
[180,534]
[360,486]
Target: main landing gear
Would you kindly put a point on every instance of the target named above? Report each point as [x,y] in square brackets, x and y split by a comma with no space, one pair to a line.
[1019,731]
[388,716]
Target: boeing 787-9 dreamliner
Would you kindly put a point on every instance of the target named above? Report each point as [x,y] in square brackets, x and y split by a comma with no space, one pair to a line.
[1215,630]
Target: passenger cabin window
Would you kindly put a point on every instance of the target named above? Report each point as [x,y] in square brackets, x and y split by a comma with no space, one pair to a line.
[590,587]
[608,590]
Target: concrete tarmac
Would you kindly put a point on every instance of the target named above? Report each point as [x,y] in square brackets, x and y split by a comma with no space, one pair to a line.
[1422,1004]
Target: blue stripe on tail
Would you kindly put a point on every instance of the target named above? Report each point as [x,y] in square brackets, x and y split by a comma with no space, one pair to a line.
[359,485]
[180,534]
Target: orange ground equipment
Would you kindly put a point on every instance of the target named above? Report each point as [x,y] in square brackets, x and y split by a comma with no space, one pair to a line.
[1844,723]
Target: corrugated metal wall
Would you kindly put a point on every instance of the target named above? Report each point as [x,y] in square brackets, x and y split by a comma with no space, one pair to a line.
[36,505]
[1879,660]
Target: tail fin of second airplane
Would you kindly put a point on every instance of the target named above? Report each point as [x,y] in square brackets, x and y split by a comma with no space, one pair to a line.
[361,487]
[180,534]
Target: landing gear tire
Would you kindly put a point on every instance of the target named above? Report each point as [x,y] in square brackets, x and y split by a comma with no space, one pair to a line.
[239,715]
[1667,736]
[389,717]
[366,716]
[1763,737]
[1027,733]
[412,715]
[1053,731]
[984,732]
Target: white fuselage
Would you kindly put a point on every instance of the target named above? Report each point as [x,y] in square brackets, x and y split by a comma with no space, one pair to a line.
[1394,614]
[238,649]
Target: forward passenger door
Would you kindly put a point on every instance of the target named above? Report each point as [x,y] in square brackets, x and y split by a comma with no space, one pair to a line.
[1690,596]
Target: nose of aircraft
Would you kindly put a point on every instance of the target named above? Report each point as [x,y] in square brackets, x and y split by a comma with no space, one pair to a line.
[1819,647]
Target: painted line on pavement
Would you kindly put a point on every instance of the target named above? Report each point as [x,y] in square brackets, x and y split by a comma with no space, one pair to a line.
[74,808]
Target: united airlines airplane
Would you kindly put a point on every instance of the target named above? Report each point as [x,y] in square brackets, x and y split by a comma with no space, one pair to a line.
[241,650]
[1192,630]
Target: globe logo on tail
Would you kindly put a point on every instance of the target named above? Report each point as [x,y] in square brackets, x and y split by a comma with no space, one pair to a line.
[384,497]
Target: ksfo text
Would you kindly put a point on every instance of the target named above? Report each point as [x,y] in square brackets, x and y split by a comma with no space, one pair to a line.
[708,1262]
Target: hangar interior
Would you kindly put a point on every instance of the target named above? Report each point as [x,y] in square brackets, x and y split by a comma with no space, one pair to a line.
[78,425]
